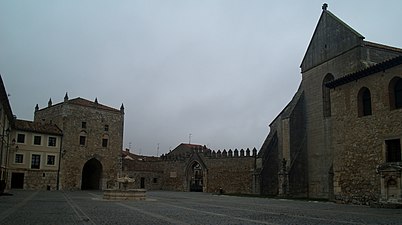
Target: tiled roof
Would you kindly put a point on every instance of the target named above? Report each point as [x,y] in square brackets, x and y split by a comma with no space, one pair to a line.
[92,104]
[184,148]
[381,46]
[44,128]
[366,72]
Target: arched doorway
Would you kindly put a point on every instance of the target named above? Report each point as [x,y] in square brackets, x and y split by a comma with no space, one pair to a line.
[195,176]
[91,175]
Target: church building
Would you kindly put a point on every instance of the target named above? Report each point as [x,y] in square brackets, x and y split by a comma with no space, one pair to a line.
[318,144]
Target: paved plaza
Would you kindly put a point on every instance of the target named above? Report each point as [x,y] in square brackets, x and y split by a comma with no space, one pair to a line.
[86,207]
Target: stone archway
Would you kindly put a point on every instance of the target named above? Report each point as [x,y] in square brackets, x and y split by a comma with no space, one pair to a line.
[195,177]
[91,175]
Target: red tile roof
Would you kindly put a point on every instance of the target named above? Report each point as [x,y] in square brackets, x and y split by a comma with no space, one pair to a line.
[43,128]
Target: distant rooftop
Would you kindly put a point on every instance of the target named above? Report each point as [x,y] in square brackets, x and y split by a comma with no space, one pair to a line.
[37,127]
[83,102]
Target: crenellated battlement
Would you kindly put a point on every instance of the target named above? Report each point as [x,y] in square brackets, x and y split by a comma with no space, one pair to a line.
[212,154]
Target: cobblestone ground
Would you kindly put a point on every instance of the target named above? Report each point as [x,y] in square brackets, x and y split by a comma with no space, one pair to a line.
[82,207]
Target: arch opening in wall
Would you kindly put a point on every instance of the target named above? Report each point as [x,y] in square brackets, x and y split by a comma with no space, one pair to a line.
[326,95]
[91,175]
[364,102]
[395,93]
[195,177]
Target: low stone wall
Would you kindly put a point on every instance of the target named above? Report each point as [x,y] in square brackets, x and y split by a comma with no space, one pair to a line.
[130,194]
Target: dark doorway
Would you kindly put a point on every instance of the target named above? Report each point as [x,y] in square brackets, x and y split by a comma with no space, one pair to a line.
[91,175]
[196,179]
[142,185]
[17,180]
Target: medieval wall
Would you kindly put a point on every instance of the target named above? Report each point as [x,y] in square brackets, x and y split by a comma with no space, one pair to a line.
[232,175]
[231,171]
[359,142]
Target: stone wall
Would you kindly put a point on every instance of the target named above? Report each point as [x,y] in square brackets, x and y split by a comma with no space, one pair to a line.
[38,179]
[359,142]
[232,175]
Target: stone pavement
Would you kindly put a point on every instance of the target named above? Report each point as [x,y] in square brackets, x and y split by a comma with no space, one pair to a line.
[88,207]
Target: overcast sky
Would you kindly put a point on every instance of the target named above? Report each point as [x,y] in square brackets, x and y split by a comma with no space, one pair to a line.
[218,70]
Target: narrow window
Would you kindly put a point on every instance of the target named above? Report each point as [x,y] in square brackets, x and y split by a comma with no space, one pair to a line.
[35,162]
[393,150]
[37,140]
[51,160]
[395,93]
[19,158]
[155,180]
[106,128]
[364,101]
[104,142]
[83,125]
[398,94]
[21,138]
[326,95]
[82,140]
[52,141]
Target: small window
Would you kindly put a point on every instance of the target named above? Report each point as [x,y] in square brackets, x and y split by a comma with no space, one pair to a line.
[393,150]
[84,125]
[19,158]
[51,160]
[364,101]
[106,128]
[104,142]
[35,162]
[155,180]
[21,138]
[395,93]
[37,140]
[82,140]
[52,142]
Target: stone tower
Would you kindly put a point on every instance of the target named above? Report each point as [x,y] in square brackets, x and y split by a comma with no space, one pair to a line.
[92,142]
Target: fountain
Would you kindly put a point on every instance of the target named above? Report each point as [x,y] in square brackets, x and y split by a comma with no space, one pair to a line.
[123,192]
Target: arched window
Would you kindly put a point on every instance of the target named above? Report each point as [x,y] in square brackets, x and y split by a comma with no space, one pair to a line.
[364,101]
[326,95]
[395,93]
